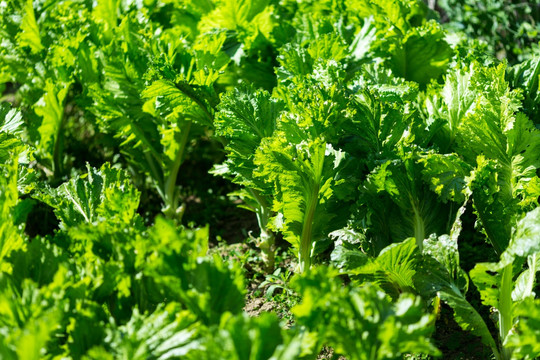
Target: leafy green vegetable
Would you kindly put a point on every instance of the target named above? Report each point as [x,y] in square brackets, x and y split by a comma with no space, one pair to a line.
[41,55]
[526,76]
[100,195]
[393,270]
[362,322]
[10,237]
[411,46]
[244,120]
[155,110]
[421,55]
[167,333]
[242,337]
[304,177]
[413,195]
[483,125]
[523,340]
[50,108]
[495,281]
[374,135]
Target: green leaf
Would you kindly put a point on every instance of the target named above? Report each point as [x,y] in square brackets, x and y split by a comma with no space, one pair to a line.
[524,283]
[245,118]
[524,340]
[397,265]
[347,253]
[524,241]
[391,15]
[100,195]
[400,201]
[444,249]
[328,47]
[495,280]
[488,277]
[421,55]
[384,84]
[168,332]
[105,13]
[208,287]
[526,76]
[31,316]
[242,337]
[362,42]
[439,273]
[446,175]
[38,260]
[467,317]
[458,95]
[50,108]
[304,177]
[393,270]
[492,126]
[340,315]
[318,106]
[11,120]
[230,14]
[294,61]
[29,36]
[452,103]
[180,100]
[491,204]
[379,124]
[10,130]
[11,238]
[501,194]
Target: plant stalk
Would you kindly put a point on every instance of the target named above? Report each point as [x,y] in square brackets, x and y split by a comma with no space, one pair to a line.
[505,310]
[58,168]
[171,209]
[267,238]
[57,152]
[419,229]
[304,257]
